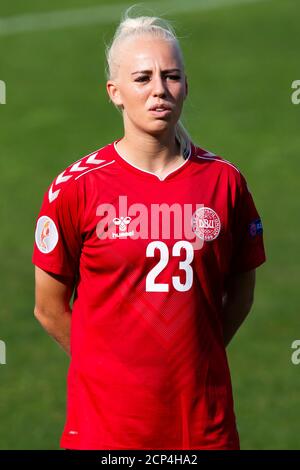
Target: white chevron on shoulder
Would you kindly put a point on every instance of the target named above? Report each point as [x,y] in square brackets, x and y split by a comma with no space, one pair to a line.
[62,178]
[77,167]
[92,159]
[52,195]
[80,167]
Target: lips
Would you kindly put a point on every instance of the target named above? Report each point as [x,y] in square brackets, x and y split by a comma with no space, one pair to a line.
[160,107]
[163,113]
[160,111]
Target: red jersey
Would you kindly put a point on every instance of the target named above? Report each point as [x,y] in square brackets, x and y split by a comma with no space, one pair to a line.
[151,257]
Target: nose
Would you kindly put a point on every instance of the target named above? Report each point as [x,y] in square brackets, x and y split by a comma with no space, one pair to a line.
[158,86]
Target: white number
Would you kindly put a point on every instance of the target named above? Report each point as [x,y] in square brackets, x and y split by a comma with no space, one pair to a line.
[186,265]
[151,285]
[164,258]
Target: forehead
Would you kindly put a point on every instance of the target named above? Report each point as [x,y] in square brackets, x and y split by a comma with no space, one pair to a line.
[149,52]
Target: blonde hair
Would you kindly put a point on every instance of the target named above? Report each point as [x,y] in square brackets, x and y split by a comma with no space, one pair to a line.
[137,26]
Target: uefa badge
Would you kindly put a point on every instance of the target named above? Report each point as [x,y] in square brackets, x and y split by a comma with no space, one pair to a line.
[206,224]
[255,228]
[46,235]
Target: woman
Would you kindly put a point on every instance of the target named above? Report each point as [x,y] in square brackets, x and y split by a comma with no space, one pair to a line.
[159,239]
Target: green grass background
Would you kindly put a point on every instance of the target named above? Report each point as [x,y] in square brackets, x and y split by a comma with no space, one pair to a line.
[240,61]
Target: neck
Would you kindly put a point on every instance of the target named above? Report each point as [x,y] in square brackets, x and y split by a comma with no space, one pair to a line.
[151,153]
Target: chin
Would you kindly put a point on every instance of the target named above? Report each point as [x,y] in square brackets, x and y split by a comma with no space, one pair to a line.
[157,132]
[160,126]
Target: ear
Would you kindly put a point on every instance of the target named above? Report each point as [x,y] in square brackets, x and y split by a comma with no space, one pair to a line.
[113,92]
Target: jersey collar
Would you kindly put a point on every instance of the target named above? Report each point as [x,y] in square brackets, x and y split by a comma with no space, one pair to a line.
[148,174]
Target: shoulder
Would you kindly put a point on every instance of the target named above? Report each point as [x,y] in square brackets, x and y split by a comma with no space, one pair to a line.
[219,165]
[210,157]
[68,179]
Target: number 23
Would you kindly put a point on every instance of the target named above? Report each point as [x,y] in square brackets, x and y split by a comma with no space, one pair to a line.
[151,285]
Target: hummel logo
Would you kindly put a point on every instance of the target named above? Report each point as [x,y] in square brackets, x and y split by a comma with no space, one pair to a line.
[121,223]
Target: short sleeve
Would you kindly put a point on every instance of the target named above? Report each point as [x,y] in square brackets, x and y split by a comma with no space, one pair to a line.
[248,243]
[57,243]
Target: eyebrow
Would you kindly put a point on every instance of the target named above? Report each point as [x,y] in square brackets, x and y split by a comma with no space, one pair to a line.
[150,71]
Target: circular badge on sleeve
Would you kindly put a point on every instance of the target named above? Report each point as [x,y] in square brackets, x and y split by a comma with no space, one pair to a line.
[46,234]
[206,223]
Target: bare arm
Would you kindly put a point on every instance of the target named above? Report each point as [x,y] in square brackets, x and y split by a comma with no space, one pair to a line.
[52,305]
[237,302]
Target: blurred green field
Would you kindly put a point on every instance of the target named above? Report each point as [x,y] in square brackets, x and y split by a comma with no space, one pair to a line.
[240,61]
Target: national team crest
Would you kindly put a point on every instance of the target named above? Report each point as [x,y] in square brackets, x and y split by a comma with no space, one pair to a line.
[206,224]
